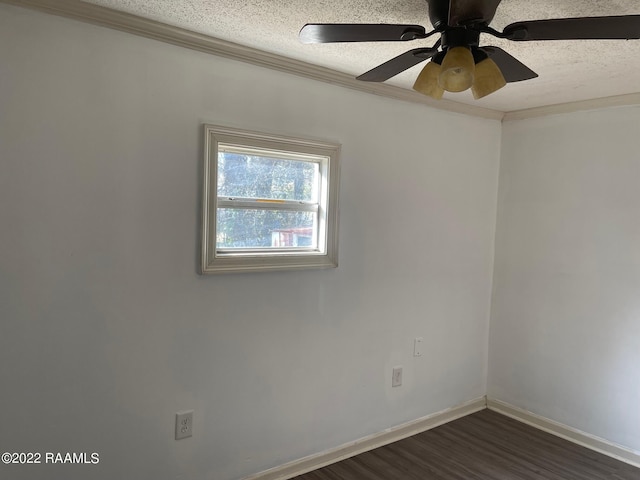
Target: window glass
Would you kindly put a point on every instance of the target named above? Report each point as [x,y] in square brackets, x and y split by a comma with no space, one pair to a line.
[266,177]
[248,228]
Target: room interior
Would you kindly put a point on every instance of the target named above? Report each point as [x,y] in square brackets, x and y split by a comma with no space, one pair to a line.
[505,237]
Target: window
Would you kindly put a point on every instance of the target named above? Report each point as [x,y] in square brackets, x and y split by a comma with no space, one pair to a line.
[269,202]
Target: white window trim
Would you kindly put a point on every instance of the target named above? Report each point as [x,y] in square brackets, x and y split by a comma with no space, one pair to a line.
[215,260]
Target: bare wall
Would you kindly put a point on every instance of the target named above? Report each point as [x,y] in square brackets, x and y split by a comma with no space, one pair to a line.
[565,323]
[107,330]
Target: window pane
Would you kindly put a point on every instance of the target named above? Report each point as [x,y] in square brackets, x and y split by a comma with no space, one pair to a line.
[247,228]
[251,176]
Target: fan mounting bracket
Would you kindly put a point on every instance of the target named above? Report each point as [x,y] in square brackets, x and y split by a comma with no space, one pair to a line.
[411,34]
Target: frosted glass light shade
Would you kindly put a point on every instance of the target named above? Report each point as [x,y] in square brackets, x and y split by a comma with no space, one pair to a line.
[427,81]
[488,79]
[457,70]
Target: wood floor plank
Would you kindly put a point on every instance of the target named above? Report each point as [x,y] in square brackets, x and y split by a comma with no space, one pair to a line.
[482,446]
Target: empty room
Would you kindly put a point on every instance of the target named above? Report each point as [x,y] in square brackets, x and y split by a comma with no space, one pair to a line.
[330,240]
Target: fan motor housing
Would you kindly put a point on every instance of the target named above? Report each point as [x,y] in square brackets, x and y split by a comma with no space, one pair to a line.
[460,37]
[451,13]
[438,13]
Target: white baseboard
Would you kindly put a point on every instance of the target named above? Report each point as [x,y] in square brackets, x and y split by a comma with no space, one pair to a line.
[568,433]
[312,462]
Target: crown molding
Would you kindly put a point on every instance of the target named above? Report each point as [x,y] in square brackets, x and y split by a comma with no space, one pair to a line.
[144,27]
[570,107]
[126,22]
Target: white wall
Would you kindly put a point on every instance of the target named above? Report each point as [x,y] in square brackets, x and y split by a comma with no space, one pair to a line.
[107,330]
[565,326]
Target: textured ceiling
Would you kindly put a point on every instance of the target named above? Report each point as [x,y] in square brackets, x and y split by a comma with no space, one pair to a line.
[568,70]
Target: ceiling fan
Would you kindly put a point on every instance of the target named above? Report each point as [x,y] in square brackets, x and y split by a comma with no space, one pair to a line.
[458,62]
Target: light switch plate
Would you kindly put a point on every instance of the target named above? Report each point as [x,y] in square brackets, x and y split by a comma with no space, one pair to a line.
[417,347]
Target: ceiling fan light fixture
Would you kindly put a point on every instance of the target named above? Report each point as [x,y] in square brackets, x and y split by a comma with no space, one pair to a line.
[458,70]
[427,81]
[487,79]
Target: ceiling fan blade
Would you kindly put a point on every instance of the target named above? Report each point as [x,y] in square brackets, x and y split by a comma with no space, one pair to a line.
[471,11]
[359,32]
[397,65]
[512,69]
[582,28]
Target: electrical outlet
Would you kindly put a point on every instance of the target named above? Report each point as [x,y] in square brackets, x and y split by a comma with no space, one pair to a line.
[184,424]
[417,347]
[396,378]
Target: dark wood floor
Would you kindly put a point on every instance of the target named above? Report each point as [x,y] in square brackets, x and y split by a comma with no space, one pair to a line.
[482,446]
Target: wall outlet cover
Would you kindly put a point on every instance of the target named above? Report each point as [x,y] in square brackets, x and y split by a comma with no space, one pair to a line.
[184,424]
[396,379]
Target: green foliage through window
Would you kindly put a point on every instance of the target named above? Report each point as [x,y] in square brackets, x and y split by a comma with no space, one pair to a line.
[261,177]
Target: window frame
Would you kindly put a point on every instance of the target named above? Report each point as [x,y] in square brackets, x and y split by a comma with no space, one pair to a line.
[220,260]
